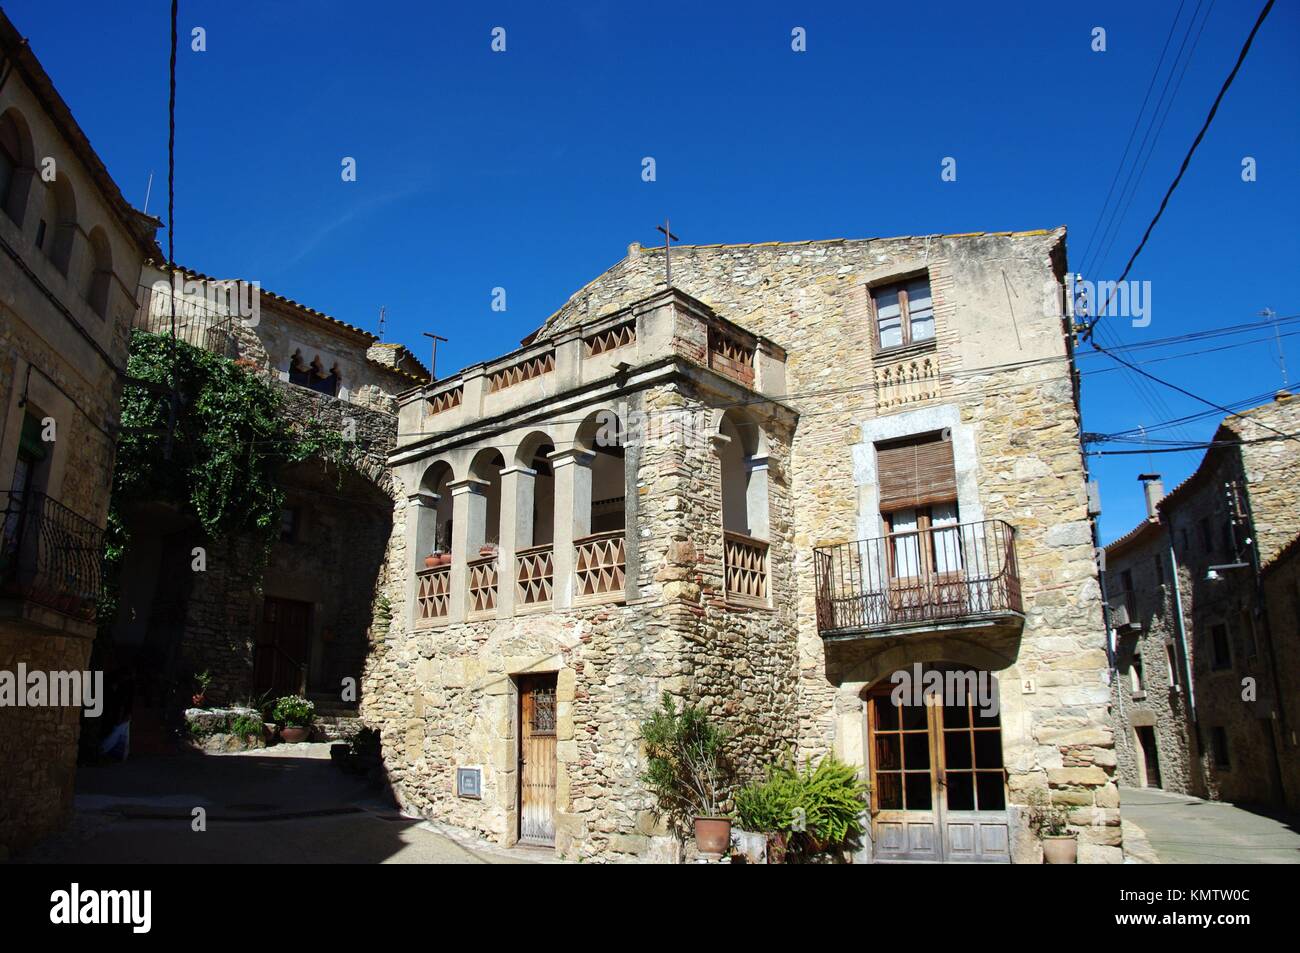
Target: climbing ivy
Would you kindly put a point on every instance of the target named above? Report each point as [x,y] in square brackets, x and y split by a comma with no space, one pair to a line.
[220,458]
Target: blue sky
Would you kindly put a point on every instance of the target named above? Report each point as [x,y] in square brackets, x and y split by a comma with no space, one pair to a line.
[522,169]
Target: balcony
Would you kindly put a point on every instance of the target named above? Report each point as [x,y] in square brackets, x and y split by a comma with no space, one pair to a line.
[49,556]
[947,577]
[667,326]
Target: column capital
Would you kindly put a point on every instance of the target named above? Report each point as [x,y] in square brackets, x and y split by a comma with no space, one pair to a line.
[522,471]
[577,455]
[469,485]
[758,462]
[423,498]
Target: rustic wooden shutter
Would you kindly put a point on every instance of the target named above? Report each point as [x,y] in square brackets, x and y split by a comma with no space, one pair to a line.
[915,472]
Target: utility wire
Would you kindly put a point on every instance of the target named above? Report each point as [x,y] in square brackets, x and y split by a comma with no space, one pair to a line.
[1227,83]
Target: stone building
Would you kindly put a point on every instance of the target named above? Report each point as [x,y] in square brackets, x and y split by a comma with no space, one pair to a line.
[1226,603]
[768,488]
[302,624]
[72,249]
[1149,690]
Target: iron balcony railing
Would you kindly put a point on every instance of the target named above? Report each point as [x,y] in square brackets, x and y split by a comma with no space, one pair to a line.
[49,554]
[195,324]
[941,574]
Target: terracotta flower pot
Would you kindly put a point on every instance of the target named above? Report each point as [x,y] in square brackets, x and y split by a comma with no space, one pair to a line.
[713,835]
[777,845]
[444,559]
[430,561]
[294,734]
[197,700]
[1062,849]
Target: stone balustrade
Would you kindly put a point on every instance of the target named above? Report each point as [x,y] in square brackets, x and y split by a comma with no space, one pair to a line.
[668,325]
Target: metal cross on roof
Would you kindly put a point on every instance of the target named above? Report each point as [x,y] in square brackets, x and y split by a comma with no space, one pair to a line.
[669,238]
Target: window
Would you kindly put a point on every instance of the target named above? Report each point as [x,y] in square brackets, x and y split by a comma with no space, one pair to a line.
[40,234]
[313,375]
[289,524]
[1207,538]
[1159,563]
[904,313]
[1136,675]
[1220,651]
[1171,657]
[1130,597]
[1248,635]
[918,504]
[1219,747]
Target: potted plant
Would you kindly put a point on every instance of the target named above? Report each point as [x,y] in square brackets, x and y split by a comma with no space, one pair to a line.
[294,714]
[809,814]
[203,679]
[687,771]
[1051,822]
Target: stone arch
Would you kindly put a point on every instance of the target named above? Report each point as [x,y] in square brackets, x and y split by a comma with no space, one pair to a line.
[741,444]
[99,279]
[534,490]
[434,513]
[58,228]
[602,436]
[485,471]
[17,164]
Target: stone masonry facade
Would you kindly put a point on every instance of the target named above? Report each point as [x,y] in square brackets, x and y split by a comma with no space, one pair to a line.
[998,379]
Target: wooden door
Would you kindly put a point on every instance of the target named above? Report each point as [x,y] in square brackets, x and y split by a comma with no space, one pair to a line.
[938,788]
[280,659]
[537,759]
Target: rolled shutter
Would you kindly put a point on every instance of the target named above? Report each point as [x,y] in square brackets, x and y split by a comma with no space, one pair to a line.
[915,472]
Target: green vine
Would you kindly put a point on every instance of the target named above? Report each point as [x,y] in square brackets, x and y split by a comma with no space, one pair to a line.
[219,462]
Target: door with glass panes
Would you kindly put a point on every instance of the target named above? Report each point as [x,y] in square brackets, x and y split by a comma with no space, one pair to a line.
[938,785]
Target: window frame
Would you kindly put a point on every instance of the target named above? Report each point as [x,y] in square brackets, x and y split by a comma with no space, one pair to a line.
[904,311]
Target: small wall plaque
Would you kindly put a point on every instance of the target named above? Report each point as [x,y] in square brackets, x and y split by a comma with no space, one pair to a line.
[469,782]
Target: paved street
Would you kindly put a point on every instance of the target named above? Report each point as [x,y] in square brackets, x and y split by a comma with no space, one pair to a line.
[1187,830]
[287,804]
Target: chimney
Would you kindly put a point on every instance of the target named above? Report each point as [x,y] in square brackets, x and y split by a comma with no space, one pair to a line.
[1154,490]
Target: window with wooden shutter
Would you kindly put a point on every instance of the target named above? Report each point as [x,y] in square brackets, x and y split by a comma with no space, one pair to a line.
[915,472]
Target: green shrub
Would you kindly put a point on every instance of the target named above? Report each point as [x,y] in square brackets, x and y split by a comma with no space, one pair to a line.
[294,711]
[817,810]
[686,769]
[244,725]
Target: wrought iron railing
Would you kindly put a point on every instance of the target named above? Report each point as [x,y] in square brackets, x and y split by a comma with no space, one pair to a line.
[745,568]
[49,554]
[196,324]
[945,573]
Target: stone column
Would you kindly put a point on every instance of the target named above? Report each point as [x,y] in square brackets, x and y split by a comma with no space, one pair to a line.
[756,505]
[421,530]
[468,531]
[517,486]
[572,514]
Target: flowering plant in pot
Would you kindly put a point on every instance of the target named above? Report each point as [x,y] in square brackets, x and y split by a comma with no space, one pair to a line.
[1051,822]
[688,773]
[203,679]
[294,714]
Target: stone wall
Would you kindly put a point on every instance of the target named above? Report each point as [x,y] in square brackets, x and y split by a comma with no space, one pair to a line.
[1004,387]
[996,299]
[1281,581]
[1161,701]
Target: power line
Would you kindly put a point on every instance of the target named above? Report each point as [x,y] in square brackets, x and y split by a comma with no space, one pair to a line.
[1227,83]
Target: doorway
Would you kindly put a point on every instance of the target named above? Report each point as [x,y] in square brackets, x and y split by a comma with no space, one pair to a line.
[537,766]
[1149,756]
[938,784]
[281,653]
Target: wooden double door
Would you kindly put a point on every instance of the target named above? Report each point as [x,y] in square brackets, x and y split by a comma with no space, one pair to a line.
[537,763]
[938,785]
